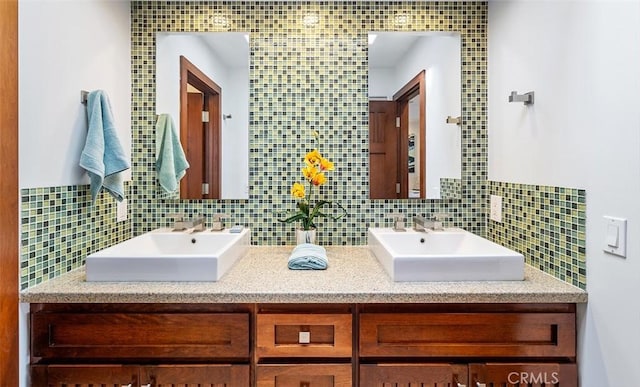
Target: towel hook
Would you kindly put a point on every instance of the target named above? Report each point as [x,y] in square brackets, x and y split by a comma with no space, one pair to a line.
[454,120]
[527,98]
[84,95]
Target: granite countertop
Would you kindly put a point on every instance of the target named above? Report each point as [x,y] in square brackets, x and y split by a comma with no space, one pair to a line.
[354,276]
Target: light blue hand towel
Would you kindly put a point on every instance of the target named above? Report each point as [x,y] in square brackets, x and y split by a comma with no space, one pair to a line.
[103,156]
[307,256]
[171,163]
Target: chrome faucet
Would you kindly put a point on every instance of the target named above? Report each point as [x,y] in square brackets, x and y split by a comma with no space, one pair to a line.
[422,224]
[197,224]
[435,224]
[182,224]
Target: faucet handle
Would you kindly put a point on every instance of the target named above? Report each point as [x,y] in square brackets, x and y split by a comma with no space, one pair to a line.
[440,216]
[398,221]
[216,223]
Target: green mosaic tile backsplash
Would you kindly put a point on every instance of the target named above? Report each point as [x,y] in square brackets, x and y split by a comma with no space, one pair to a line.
[546,225]
[60,227]
[302,79]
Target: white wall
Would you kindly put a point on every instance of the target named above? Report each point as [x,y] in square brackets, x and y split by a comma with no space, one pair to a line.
[582,59]
[381,83]
[234,82]
[235,137]
[440,56]
[65,47]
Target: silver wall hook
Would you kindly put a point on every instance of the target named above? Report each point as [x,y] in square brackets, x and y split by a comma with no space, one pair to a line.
[454,120]
[527,98]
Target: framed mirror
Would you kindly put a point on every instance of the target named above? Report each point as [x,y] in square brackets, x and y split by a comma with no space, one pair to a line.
[202,82]
[414,93]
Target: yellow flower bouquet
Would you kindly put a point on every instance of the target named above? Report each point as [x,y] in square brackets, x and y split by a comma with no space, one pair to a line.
[314,172]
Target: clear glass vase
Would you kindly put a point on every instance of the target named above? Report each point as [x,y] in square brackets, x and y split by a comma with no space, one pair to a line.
[305,236]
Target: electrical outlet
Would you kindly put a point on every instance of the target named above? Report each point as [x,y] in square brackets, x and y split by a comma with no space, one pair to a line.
[121,211]
[495,212]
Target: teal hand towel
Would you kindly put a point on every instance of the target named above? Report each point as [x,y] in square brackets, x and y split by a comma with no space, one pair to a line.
[103,156]
[171,163]
[307,256]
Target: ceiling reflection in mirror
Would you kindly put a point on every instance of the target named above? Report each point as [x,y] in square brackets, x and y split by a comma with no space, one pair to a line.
[216,142]
[415,153]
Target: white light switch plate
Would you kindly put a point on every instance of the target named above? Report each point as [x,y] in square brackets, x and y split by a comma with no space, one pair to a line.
[615,240]
[495,211]
[121,211]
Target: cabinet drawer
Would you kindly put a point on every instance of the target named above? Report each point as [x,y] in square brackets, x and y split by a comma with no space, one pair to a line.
[84,375]
[158,375]
[467,335]
[196,375]
[438,375]
[304,375]
[304,335]
[524,374]
[140,335]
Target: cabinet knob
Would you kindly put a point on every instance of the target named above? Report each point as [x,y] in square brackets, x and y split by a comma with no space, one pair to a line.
[478,384]
[461,385]
[127,385]
[304,337]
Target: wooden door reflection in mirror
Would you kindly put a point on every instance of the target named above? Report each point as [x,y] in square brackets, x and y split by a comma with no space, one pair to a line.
[200,121]
[397,143]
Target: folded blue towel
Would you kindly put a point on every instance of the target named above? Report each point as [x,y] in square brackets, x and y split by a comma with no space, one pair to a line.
[103,156]
[307,256]
[171,163]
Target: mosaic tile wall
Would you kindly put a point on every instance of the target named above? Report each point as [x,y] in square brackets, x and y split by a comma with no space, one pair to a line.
[546,225]
[450,188]
[60,228]
[301,79]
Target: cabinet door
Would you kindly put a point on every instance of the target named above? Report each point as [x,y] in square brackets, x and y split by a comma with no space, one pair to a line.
[523,374]
[197,375]
[304,375]
[84,376]
[413,375]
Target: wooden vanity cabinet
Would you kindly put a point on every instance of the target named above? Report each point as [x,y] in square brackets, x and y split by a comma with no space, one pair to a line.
[303,345]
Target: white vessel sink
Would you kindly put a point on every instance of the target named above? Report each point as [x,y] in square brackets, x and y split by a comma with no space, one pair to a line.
[164,255]
[449,255]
